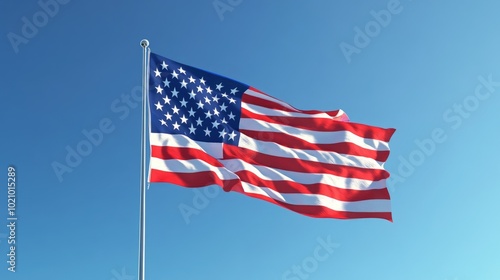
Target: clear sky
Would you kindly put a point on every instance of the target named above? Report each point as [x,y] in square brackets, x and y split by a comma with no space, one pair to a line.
[429,69]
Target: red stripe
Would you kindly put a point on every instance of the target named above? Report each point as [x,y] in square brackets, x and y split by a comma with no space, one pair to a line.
[283,187]
[166,152]
[193,179]
[304,166]
[297,143]
[202,179]
[324,124]
[320,211]
[250,99]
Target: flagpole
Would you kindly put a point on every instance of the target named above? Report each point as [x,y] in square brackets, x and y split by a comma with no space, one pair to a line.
[142,227]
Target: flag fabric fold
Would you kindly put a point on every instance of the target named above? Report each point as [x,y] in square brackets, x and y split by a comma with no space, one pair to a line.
[211,130]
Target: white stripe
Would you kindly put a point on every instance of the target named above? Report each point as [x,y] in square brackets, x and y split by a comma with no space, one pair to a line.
[191,166]
[182,141]
[317,137]
[274,149]
[373,205]
[279,113]
[275,174]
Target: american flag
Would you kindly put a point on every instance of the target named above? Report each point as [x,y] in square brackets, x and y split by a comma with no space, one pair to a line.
[210,130]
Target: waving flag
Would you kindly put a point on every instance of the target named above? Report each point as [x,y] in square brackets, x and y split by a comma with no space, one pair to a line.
[207,129]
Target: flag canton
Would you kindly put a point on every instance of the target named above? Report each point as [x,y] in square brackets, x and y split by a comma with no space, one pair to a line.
[199,104]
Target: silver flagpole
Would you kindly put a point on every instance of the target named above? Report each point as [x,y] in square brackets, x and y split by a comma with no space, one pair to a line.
[142,230]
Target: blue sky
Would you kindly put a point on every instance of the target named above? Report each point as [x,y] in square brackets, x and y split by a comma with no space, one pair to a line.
[429,69]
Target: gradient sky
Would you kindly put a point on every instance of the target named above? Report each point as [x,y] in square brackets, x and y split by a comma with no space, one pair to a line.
[430,69]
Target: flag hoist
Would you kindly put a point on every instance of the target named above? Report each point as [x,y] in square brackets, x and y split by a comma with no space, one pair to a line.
[142,226]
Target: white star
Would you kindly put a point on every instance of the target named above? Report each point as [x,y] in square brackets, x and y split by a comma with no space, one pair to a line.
[224,95]
[223,107]
[159,106]
[215,99]
[231,116]
[222,133]
[200,105]
[216,112]
[176,126]
[168,116]
[200,89]
[192,95]
[231,100]
[175,75]
[224,120]
[175,109]
[163,122]
[184,119]
[234,91]
[207,100]
[191,112]
[232,135]
[219,86]
[184,84]
[192,129]
[207,131]
[166,99]
[159,89]
[174,92]
[209,90]
[157,73]
[215,124]
[199,122]
[164,65]
[183,102]
[202,81]
[191,79]
[208,114]
[182,71]
[166,83]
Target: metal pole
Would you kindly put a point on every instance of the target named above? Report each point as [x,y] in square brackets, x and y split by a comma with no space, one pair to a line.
[142,230]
